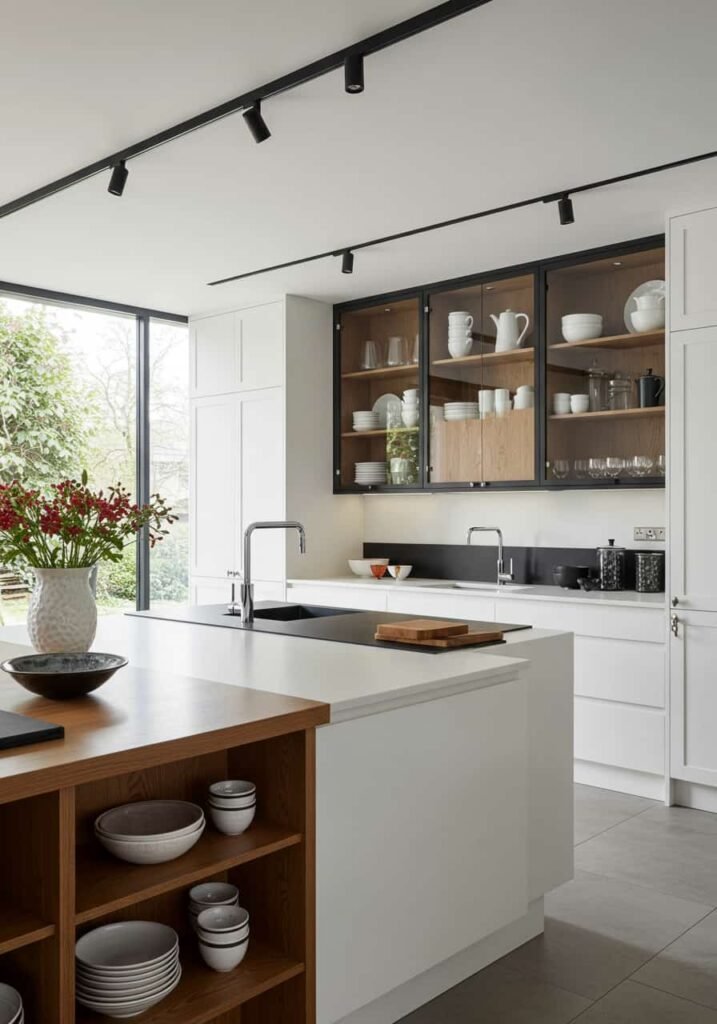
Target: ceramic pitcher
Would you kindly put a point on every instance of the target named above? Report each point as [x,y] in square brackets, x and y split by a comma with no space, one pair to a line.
[508,335]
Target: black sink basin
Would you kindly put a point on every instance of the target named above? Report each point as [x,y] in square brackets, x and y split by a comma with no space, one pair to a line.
[293,612]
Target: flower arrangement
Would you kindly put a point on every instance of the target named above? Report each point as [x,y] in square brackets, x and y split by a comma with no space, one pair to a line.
[73,527]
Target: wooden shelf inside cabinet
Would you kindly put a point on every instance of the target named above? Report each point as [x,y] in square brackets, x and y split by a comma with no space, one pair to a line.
[617,341]
[382,371]
[19,928]
[204,994]
[516,355]
[380,433]
[108,884]
[613,414]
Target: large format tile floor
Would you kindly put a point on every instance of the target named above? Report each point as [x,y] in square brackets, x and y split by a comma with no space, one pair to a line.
[632,940]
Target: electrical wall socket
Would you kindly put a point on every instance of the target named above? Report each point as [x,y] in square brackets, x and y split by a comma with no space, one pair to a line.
[648,533]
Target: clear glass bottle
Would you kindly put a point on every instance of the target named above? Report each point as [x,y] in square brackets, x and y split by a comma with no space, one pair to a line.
[619,393]
[597,388]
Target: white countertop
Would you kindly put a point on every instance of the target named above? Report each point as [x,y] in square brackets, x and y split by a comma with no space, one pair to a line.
[521,591]
[352,679]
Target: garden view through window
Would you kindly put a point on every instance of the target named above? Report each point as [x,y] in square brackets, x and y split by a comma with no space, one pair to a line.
[68,402]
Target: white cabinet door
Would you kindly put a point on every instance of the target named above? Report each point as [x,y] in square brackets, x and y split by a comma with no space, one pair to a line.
[692,469]
[262,478]
[693,695]
[366,598]
[209,591]
[215,355]
[260,334]
[213,485]
[693,270]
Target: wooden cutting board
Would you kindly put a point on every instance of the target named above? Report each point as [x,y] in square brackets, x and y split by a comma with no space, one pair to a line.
[420,629]
[462,640]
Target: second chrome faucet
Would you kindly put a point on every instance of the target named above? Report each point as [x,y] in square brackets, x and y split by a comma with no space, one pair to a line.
[503,577]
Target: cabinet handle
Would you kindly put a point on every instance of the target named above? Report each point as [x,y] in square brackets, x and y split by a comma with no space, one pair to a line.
[674,624]
[675,602]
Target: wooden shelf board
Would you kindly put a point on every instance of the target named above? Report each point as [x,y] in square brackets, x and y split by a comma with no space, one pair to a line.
[204,994]
[609,414]
[516,355]
[382,371]
[616,341]
[380,433]
[108,884]
[21,928]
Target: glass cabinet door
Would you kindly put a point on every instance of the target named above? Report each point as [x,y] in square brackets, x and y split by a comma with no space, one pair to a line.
[380,403]
[482,378]
[606,370]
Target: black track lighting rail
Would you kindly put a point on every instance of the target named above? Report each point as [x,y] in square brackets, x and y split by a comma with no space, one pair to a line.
[562,198]
[316,69]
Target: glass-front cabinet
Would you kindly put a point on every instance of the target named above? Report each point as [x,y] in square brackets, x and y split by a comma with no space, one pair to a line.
[482,381]
[605,372]
[379,414]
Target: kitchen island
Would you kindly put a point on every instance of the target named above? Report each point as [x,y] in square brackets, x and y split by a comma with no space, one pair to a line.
[443,795]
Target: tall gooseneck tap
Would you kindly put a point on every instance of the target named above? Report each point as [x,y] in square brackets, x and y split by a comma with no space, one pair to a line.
[245,607]
[503,576]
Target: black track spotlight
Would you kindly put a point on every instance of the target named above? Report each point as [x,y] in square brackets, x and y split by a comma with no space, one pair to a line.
[347,262]
[256,123]
[118,180]
[353,73]
[565,210]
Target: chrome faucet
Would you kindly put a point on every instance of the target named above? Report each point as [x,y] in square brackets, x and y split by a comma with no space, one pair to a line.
[503,576]
[245,607]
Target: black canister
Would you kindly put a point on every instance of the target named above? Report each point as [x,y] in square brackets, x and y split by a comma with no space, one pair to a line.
[611,567]
[650,572]
[651,389]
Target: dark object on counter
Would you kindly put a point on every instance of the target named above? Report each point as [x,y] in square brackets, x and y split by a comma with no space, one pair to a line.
[650,572]
[19,730]
[612,567]
[651,389]
[588,583]
[63,676]
[567,576]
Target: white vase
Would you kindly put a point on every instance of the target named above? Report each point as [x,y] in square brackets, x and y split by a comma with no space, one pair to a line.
[62,616]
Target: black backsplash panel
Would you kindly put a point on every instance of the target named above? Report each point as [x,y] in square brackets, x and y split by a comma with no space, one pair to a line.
[478,562]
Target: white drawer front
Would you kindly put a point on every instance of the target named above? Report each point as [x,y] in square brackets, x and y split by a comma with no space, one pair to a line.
[622,670]
[452,606]
[619,623]
[337,597]
[620,735]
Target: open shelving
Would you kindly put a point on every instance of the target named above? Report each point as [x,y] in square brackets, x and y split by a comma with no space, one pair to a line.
[616,341]
[382,372]
[611,414]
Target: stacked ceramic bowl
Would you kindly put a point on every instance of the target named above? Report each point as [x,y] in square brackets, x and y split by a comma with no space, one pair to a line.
[11,1011]
[370,473]
[150,831]
[581,326]
[209,895]
[366,420]
[223,934]
[232,805]
[124,968]
[461,411]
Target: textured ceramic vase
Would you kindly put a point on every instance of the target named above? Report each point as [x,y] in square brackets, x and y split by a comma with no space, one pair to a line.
[62,617]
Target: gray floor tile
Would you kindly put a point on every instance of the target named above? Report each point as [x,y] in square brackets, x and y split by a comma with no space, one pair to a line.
[688,967]
[599,809]
[676,819]
[598,931]
[680,862]
[500,996]
[631,1003]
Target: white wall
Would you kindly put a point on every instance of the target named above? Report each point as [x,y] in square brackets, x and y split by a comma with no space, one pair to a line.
[561,519]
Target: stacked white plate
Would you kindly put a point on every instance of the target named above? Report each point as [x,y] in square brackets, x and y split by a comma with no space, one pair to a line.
[124,968]
[11,1011]
[150,831]
[366,421]
[461,411]
[370,473]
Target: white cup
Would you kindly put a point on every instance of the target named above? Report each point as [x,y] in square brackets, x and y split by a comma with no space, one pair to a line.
[502,395]
[561,403]
[503,408]
[524,401]
[525,389]
[486,404]
[579,403]
[460,320]
[410,394]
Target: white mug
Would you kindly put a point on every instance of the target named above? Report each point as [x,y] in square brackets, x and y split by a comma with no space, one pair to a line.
[525,389]
[460,319]
[523,402]
[502,395]
[485,402]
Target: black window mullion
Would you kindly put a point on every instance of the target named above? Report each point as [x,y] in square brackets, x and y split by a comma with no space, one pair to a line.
[143,455]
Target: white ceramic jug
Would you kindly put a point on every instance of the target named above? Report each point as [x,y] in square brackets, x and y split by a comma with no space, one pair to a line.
[508,335]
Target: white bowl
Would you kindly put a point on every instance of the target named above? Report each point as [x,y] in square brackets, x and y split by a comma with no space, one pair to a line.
[579,403]
[150,819]
[581,332]
[223,919]
[223,938]
[236,803]
[125,945]
[10,1005]
[400,572]
[130,1007]
[232,822]
[362,566]
[213,894]
[223,958]
[232,787]
[575,318]
[103,834]
[151,852]
[648,319]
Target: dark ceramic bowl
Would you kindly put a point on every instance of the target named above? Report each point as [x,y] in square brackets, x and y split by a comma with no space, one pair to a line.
[567,576]
[63,676]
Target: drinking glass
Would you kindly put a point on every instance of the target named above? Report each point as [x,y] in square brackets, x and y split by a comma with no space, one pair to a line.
[370,358]
[561,468]
[580,468]
[614,467]
[596,468]
[642,464]
[396,351]
[415,350]
[661,465]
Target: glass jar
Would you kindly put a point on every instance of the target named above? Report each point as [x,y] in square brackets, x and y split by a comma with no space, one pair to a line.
[597,388]
[650,572]
[619,394]
[611,566]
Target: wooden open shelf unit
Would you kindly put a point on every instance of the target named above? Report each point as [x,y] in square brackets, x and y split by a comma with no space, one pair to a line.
[379,433]
[612,414]
[516,355]
[382,372]
[149,737]
[616,341]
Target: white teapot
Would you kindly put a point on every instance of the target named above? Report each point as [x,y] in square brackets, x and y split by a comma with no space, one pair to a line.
[508,335]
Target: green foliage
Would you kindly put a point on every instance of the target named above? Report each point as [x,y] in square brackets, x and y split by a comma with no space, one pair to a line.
[43,408]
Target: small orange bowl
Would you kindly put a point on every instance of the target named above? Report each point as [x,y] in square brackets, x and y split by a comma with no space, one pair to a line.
[378,571]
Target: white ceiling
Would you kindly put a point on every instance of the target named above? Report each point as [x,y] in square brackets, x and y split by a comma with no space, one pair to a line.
[514,99]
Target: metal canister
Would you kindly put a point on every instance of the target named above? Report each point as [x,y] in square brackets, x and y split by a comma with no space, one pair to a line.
[612,566]
[650,572]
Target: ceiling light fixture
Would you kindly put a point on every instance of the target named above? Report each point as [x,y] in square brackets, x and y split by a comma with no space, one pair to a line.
[565,209]
[353,73]
[118,179]
[347,262]
[256,123]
